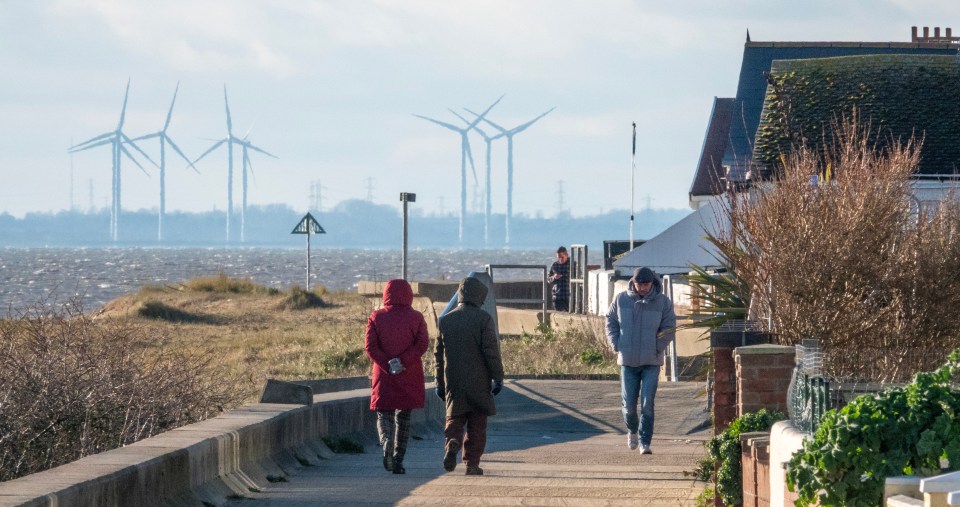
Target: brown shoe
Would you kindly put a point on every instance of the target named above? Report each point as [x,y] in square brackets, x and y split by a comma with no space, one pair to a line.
[474,470]
[450,456]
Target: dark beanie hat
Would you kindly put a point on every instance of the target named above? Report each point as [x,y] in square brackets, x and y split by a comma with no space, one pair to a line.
[644,275]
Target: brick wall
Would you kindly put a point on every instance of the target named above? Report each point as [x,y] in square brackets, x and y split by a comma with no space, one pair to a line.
[762,377]
[722,345]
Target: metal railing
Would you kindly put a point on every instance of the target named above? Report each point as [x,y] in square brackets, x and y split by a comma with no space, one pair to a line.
[543,274]
[809,392]
[578,279]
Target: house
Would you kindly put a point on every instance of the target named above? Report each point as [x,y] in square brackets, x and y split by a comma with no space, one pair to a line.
[903,87]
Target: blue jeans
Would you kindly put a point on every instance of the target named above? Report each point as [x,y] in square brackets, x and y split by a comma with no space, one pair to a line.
[639,382]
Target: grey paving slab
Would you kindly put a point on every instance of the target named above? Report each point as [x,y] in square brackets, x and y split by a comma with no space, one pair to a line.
[553,443]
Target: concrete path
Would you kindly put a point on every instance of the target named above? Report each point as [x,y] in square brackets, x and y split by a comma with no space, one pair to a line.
[554,442]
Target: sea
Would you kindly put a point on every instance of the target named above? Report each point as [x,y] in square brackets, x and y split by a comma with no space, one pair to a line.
[32,278]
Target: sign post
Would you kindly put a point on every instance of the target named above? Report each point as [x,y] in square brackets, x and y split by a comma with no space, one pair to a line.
[308,225]
[405,197]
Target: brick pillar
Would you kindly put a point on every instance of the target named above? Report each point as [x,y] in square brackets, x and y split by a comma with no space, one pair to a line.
[722,344]
[724,389]
[763,376]
[755,459]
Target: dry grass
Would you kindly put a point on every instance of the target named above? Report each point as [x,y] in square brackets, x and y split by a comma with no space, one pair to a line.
[254,332]
[259,334]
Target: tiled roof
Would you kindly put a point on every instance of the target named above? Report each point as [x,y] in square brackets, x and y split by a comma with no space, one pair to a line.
[708,179]
[752,86]
[898,95]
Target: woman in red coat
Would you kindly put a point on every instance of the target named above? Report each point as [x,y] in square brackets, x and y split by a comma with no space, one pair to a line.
[396,339]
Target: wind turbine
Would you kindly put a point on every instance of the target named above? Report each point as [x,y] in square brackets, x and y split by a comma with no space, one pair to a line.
[246,145]
[464,155]
[509,135]
[164,139]
[487,206]
[230,140]
[116,138]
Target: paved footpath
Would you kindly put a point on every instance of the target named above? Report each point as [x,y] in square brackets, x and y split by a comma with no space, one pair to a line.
[554,443]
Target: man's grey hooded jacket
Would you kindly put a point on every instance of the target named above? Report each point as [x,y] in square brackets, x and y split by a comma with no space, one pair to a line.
[636,326]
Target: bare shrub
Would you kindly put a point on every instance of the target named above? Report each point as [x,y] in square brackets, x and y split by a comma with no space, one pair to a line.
[848,260]
[71,386]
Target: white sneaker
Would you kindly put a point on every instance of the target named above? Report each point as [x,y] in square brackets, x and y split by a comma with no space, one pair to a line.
[633,441]
[646,450]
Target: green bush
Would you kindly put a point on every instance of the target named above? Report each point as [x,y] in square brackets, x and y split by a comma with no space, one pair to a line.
[724,452]
[344,445]
[908,430]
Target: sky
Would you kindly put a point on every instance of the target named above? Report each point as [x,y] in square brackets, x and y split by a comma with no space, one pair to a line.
[331,88]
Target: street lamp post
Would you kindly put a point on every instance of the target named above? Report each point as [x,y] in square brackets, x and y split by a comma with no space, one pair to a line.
[405,197]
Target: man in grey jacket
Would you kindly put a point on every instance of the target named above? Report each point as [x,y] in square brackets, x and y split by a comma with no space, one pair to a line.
[640,325]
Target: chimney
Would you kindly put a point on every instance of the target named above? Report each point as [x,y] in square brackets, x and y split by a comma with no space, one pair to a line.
[936,32]
[949,32]
[913,34]
[926,32]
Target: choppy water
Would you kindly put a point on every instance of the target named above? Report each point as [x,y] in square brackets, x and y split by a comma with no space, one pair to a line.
[52,275]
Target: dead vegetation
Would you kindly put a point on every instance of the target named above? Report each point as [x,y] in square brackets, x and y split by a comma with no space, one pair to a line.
[838,249]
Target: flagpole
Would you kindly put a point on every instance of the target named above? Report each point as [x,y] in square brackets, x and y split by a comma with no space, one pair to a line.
[633,170]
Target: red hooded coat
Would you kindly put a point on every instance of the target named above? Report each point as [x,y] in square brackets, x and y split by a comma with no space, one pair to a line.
[397,330]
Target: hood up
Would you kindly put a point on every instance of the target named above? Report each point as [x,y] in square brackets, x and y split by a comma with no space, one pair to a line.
[472,291]
[397,292]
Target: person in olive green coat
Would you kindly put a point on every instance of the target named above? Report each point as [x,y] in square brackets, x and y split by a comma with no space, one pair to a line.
[468,359]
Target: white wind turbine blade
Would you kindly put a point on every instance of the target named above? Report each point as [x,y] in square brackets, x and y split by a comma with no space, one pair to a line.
[521,128]
[170,111]
[441,123]
[215,146]
[180,152]
[127,140]
[94,145]
[130,156]
[254,148]
[80,146]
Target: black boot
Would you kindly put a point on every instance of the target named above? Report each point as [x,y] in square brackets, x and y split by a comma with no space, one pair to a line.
[398,466]
[388,462]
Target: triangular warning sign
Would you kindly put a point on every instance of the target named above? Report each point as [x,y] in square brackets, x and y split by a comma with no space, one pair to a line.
[308,225]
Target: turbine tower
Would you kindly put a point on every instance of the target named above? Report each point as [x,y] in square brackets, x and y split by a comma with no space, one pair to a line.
[487,206]
[509,135]
[164,139]
[230,140]
[464,155]
[116,139]
[246,146]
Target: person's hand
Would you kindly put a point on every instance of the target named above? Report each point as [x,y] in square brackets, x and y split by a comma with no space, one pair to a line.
[497,386]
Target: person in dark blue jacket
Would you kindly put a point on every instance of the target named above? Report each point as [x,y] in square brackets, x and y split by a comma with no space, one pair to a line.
[640,325]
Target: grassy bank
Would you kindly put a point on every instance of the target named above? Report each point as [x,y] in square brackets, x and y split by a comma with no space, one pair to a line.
[76,383]
[256,333]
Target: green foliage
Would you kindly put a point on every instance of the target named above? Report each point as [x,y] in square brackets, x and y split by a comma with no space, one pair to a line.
[905,430]
[543,333]
[724,452]
[723,296]
[590,357]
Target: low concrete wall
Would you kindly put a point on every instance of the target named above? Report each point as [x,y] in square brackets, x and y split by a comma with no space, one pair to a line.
[207,462]
[785,439]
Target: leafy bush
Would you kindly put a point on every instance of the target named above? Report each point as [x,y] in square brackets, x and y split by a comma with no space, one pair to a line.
[724,454]
[905,430]
[72,386]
